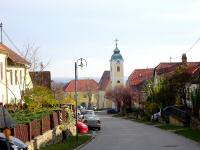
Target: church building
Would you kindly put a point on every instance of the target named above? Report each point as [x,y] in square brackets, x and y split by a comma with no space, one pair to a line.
[110,79]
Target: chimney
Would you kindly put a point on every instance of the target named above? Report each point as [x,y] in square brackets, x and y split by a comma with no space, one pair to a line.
[184,59]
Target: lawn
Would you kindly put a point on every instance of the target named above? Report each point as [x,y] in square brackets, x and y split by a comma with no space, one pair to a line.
[69,144]
[184,131]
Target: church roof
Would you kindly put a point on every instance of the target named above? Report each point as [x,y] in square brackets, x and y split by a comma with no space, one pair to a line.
[104,81]
[116,55]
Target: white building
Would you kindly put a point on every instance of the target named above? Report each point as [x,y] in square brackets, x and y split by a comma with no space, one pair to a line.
[14,75]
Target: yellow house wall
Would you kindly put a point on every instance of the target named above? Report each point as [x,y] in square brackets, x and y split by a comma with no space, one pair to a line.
[82,97]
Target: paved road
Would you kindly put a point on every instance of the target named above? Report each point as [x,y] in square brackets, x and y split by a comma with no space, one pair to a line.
[119,134]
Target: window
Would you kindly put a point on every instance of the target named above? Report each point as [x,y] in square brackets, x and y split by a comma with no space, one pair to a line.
[118,81]
[20,77]
[118,68]
[11,77]
[1,70]
[16,77]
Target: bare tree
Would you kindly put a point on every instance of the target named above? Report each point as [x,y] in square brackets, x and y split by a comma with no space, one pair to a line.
[90,90]
[58,92]
[121,96]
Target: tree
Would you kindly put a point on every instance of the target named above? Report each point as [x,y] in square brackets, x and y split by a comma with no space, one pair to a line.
[90,90]
[39,97]
[121,96]
[195,97]
[58,91]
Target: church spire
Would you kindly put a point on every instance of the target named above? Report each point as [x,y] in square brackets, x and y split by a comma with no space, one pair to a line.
[116,40]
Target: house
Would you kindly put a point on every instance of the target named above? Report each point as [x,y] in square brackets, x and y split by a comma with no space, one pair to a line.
[87,91]
[15,76]
[41,78]
[104,85]
[169,69]
[136,82]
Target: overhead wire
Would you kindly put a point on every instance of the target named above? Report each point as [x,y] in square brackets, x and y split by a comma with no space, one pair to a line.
[193,45]
[11,41]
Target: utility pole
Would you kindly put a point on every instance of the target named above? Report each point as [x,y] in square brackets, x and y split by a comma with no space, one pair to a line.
[1,28]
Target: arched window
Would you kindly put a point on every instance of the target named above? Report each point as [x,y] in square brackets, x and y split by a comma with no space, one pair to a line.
[118,81]
[118,68]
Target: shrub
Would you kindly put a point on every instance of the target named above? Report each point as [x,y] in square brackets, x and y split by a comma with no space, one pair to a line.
[39,97]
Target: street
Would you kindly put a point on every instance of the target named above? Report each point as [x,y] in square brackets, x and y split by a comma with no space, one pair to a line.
[120,134]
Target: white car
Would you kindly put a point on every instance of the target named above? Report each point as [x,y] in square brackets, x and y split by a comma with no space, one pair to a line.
[156,116]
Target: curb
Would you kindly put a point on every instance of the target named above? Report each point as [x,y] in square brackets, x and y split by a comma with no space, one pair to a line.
[81,146]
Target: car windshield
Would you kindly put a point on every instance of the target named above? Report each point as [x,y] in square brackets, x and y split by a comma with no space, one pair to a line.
[90,113]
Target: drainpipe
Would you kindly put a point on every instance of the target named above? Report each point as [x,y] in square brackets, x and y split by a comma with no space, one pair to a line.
[6,79]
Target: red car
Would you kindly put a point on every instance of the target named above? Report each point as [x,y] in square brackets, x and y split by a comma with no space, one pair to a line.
[82,127]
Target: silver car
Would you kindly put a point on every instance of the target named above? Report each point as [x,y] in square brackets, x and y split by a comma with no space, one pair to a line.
[91,120]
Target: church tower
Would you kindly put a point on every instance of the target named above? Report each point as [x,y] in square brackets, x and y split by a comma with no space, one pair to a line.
[116,68]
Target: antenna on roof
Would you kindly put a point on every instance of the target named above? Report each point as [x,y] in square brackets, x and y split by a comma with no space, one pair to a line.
[170,59]
[1,28]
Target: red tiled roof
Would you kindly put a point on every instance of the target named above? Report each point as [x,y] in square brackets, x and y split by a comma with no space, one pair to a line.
[104,81]
[164,68]
[140,75]
[13,56]
[83,85]
[193,69]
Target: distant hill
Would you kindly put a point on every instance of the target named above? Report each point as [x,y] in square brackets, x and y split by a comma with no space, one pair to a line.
[66,80]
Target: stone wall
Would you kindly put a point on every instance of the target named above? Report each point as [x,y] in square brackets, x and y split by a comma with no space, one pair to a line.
[49,137]
[175,121]
[195,123]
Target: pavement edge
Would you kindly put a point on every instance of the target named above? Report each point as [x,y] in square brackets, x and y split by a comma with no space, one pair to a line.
[84,144]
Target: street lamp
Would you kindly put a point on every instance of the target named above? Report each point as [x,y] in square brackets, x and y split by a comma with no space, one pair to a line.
[81,62]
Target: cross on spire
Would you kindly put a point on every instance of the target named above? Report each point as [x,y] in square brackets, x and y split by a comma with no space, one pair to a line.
[1,30]
[116,40]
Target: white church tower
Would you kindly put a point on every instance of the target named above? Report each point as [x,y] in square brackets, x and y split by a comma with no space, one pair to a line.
[116,68]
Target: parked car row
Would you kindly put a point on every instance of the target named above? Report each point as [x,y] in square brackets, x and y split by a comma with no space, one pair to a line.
[90,119]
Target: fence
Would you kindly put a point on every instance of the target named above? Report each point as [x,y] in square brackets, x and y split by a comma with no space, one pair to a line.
[27,132]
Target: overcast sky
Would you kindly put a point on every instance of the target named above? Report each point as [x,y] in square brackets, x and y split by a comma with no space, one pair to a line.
[149,31]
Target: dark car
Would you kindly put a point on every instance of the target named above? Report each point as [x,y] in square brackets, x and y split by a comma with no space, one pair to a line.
[111,111]
[14,143]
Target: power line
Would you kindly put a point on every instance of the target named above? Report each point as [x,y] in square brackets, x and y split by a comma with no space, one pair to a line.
[193,45]
[11,41]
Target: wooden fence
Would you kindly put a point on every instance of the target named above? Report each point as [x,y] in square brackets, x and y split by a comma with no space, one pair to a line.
[27,132]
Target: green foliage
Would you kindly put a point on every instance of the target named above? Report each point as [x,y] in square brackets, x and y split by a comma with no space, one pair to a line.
[195,97]
[70,119]
[69,144]
[151,108]
[39,97]
[25,116]
[162,93]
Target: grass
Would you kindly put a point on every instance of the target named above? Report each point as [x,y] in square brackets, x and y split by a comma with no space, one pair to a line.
[190,133]
[169,127]
[184,131]
[69,144]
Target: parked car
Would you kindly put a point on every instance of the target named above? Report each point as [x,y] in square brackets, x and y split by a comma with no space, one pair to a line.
[82,127]
[14,143]
[91,120]
[156,116]
[111,111]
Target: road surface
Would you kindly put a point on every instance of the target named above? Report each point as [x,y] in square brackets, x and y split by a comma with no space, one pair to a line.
[120,134]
